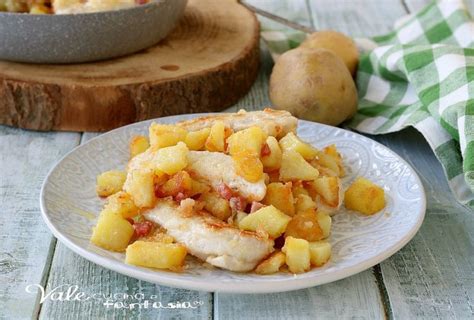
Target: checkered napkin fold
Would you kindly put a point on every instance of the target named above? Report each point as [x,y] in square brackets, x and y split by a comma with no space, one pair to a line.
[420,75]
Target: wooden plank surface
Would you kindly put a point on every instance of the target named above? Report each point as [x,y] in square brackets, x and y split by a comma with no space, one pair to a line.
[25,242]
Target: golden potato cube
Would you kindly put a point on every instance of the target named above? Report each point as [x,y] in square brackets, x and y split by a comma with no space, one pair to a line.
[329,190]
[248,166]
[195,140]
[122,203]
[298,188]
[280,196]
[304,203]
[138,144]
[304,225]
[249,140]
[297,254]
[272,264]
[216,205]
[295,167]
[156,255]
[171,160]
[165,135]
[268,219]
[320,252]
[181,182]
[110,182]
[326,165]
[216,140]
[331,150]
[365,197]
[292,142]
[198,187]
[140,185]
[272,160]
[324,222]
[112,232]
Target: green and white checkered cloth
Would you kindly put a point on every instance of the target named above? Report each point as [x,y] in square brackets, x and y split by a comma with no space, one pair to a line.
[420,75]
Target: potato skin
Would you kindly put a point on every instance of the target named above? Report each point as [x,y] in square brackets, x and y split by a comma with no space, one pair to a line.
[341,45]
[313,84]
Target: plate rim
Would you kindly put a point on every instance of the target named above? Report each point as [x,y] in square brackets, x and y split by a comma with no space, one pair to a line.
[223,286]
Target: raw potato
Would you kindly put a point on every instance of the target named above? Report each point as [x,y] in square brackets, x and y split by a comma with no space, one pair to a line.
[110,182]
[305,225]
[281,197]
[272,161]
[271,264]
[313,84]
[164,135]
[268,219]
[365,197]
[157,255]
[341,45]
[320,252]
[195,140]
[292,142]
[122,204]
[138,145]
[112,232]
[297,254]
[295,167]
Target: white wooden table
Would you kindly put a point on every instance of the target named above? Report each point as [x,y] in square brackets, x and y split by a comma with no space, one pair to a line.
[432,277]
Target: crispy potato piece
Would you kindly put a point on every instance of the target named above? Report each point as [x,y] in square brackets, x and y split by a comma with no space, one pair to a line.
[272,160]
[320,252]
[164,135]
[365,197]
[268,219]
[304,225]
[216,205]
[297,254]
[248,166]
[280,196]
[138,144]
[140,185]
[112,231]
[298,188]
[331,151]
[171,160]
[294,143]
[157,255]
[272,264]
[110,182]
[122,204]
[328,190]
[249,140]
[216,140]
[324,222]
[295,167]
[180,182]
[304,202]
[196,140]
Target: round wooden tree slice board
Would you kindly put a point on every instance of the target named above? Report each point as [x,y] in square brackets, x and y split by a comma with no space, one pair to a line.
[206,64]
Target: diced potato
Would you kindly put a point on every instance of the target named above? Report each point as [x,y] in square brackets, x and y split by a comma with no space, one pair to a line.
[271,264]
[198,187]
[173,159]
[324,222]
[272,161]
[122,204]
[138,145]
[295,167]
[216,140]
[248,166]
[195,140]
[156,255]
[249,140]
[305,225]
[320,252]
[297,254]
[294,143]
[280,196]
[332,151]
[216,205]
[273,176]
[269,219]
[326,165]
[164,135]
[112,232]
[140,185]
[298,189]
[304,202]
[365,197]
[181,182]
[329,190]
[110,182]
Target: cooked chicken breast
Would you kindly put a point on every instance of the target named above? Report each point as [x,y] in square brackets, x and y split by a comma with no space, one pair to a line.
[210,239]
[273,122]
[217,168]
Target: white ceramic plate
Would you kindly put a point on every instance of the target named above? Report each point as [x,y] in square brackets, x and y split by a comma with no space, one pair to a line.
[69,207]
